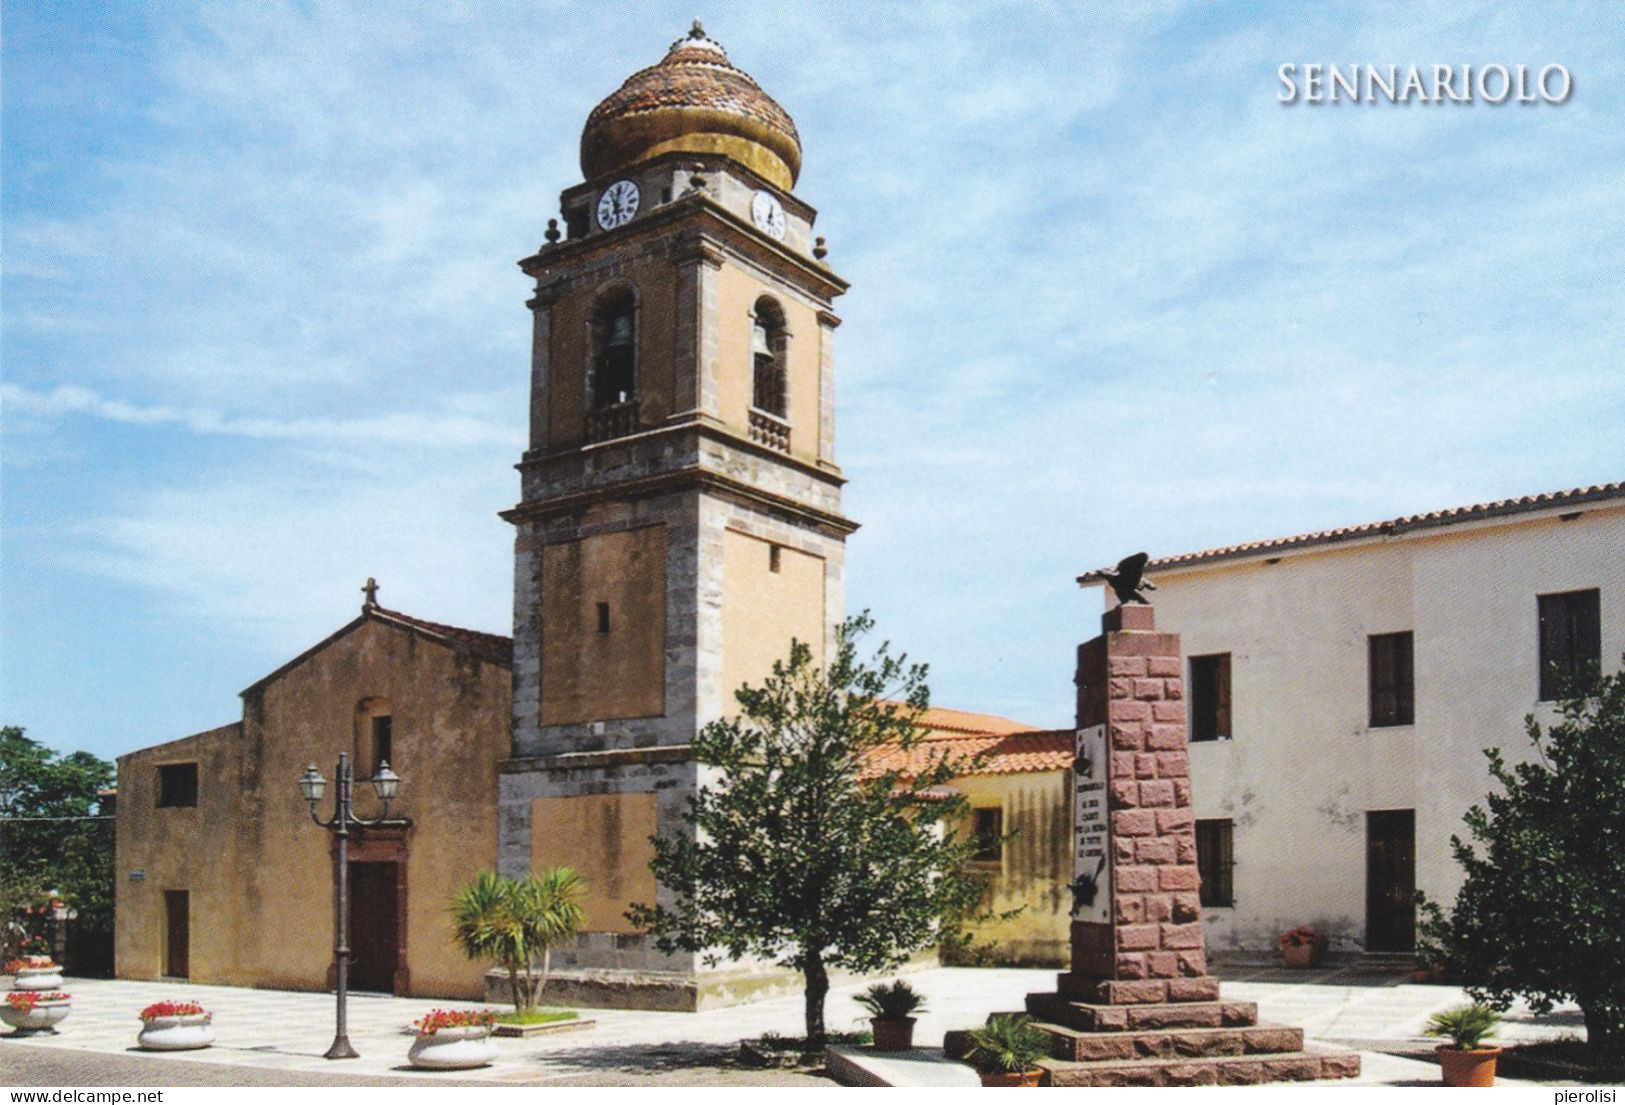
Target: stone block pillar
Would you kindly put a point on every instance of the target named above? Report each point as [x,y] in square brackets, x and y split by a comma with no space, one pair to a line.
[1142,941]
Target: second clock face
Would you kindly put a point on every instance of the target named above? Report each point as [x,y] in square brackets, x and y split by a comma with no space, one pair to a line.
[768,213]
[618,204]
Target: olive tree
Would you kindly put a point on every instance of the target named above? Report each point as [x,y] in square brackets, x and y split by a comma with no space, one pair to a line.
[802,848]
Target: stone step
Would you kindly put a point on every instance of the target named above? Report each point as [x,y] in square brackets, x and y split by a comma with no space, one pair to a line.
[1085,1017]
[1312,1063]
[1170,1043]
[1145,991]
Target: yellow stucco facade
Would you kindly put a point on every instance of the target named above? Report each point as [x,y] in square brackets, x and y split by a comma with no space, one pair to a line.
[257,874]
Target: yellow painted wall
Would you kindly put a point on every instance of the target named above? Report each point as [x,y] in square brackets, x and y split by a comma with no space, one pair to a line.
[588,675]
[262,910]
[762,609]
[1034,871]
[605,838]
[178,849]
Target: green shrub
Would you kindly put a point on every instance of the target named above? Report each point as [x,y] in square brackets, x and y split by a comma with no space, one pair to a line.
[892,1001]
[1006,1045]
[1465,1026]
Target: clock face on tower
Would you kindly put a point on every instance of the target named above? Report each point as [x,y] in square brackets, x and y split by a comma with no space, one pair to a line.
[618,204]
[768,213]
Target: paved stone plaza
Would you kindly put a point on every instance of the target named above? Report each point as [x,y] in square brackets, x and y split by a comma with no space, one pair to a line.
[261,1034]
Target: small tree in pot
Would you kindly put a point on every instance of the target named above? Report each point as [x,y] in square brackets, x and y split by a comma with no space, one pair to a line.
[891,1007]
[1006,1051]
[1465,1060]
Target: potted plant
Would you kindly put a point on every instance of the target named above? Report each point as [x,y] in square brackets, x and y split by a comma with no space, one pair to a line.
[34,972]
[34,1011]
[1465,1060]
[175,1026]
[892,1006]
[1006,1051]
[1302,946]
[453,1039]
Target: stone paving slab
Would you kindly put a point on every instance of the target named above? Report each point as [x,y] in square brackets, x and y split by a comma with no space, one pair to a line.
[277,1030]
[857,1066]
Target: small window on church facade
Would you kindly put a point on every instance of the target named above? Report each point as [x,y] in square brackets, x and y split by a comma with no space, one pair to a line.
[768,348]
[774,558]
[383,742]
[177,785]
[603,617]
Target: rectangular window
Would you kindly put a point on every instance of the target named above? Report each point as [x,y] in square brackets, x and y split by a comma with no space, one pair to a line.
[383,741]
[1570,639]
[1215,858]
[603,617]
[989,834]
[774,553]
[1393,699]
[177,785]
[1210,697]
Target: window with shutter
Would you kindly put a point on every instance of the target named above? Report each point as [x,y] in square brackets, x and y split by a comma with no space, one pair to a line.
[1210,697]
[1570,639]
[1391,680]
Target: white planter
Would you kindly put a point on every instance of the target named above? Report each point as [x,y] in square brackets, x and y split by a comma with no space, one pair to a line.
[176,1033]
[39,978]
[454,1049]
[44,1015]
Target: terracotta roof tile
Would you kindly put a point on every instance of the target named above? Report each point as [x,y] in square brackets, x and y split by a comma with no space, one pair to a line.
[1388,528]
[1035,750]
[487,646]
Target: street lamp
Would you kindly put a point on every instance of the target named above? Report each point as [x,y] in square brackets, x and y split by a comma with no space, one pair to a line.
[384,783]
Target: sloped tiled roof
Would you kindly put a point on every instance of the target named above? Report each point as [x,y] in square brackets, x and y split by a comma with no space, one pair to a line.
[940,720]
[487,646]
[1034,750]
[1392,527]
[490,647]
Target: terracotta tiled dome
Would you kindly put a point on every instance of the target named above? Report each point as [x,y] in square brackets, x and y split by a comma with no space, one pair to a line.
[697,101]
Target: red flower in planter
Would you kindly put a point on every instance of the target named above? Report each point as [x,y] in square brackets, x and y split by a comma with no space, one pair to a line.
[25,1000]
[454,1018]
[32,962]
[1301,936]
[174,1009]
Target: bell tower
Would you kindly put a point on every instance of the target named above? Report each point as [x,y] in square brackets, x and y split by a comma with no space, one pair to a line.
[680,514]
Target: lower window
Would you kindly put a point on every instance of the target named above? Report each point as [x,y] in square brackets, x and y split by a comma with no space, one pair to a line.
[1215,860]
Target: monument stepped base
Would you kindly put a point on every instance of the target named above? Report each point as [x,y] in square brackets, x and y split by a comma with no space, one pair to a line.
[1170,1043]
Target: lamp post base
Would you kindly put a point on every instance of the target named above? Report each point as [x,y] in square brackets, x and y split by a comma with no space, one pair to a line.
[341,1049]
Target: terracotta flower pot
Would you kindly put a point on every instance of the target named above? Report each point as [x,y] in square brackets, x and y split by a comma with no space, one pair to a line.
[893,1035]
[1013,1078]
[1301,955]
[1474,1067]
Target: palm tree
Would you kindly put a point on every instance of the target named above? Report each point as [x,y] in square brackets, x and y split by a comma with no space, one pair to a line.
[516,922]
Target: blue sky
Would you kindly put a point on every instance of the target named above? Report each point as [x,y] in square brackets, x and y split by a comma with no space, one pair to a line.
[263,335]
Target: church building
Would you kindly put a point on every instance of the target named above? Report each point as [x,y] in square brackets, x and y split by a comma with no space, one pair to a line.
[679,522]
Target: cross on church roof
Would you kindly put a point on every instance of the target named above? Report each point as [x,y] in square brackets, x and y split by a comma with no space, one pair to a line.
[370,589]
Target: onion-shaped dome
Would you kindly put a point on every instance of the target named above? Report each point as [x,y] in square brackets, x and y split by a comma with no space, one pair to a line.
[694,101]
